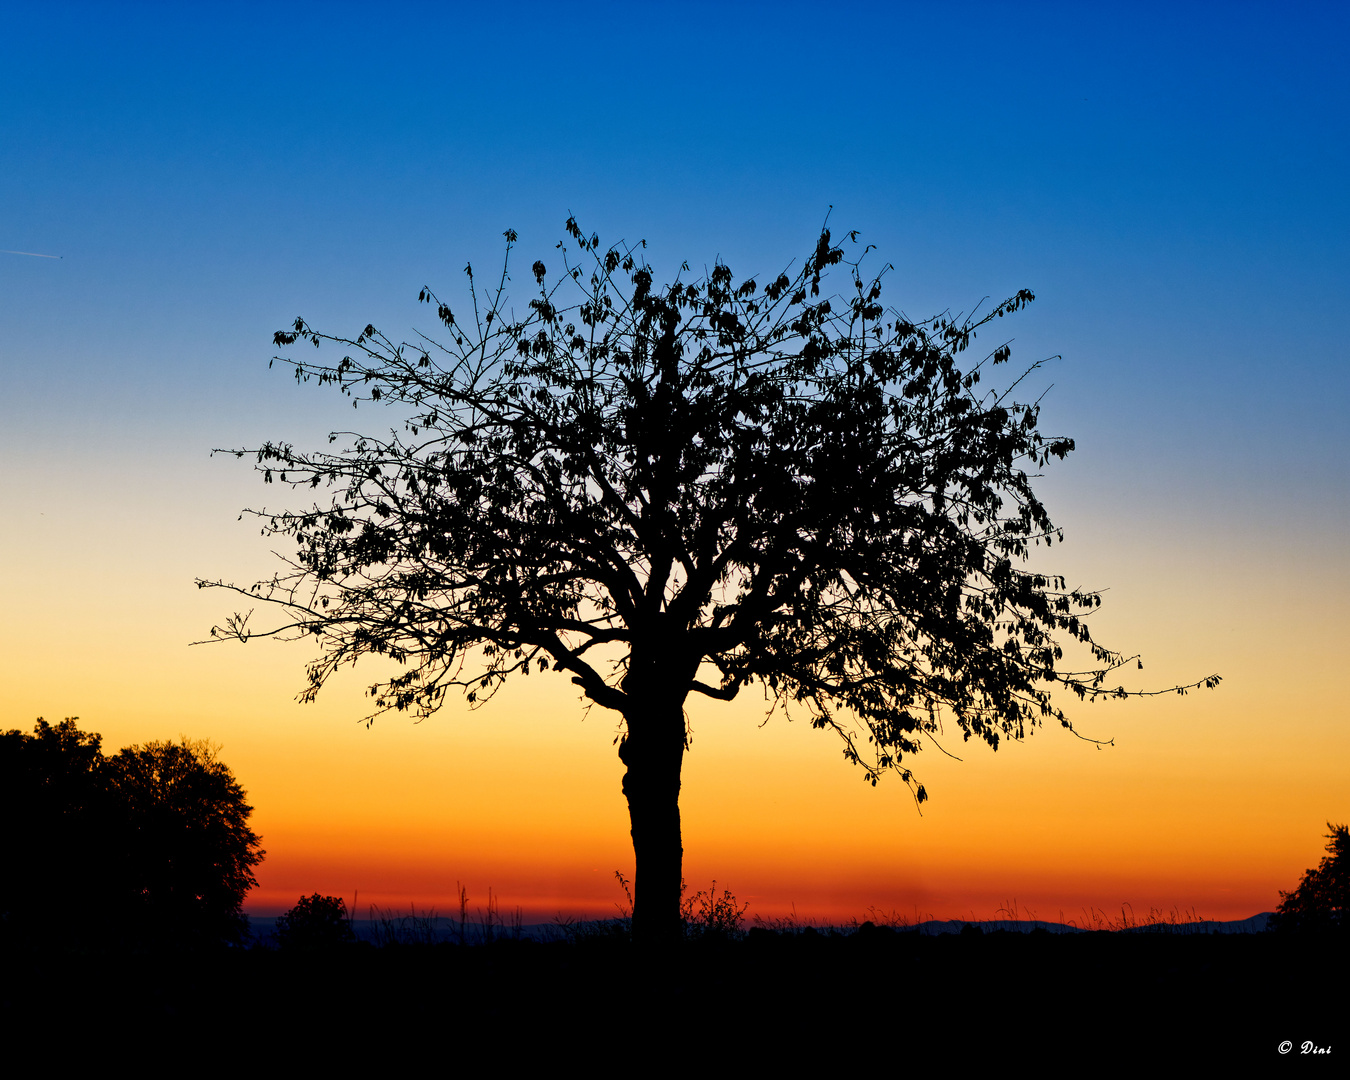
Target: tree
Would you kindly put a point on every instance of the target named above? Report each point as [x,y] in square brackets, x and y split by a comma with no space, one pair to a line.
[1322,900]
[150,845]
[189,851]
[60,832]
[686,489]
[316,923]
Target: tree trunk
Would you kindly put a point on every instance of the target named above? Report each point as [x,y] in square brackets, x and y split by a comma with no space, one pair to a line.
[653,749]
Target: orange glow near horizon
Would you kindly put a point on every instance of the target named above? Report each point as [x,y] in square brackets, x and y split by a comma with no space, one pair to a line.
[522,796]
[1211,802]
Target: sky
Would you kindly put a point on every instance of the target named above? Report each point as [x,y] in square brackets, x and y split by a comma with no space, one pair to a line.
[1168,179]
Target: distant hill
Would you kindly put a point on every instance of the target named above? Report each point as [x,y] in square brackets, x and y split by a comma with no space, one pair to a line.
[1253,924]
[441,929]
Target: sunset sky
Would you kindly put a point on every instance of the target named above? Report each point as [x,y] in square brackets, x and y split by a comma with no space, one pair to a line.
[1170,180]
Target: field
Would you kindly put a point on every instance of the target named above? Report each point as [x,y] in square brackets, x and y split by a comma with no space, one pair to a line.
[872,994]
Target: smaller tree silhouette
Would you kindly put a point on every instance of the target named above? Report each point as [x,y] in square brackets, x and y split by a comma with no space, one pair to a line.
[189,851]
[151,845]
[1320,902]
[59,832]
[316,922]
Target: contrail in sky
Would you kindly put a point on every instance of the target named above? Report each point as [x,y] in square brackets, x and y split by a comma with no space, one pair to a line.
[35,254]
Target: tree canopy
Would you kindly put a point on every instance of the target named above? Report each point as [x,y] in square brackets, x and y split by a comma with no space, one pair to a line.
[688,488]
[59,828]
[151,845]
[189,849]
[316,922]
[1321,902]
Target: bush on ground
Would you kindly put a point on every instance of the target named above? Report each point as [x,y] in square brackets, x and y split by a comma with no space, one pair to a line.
[316,922]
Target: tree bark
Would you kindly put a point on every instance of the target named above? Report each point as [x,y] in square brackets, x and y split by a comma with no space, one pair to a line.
[653,750]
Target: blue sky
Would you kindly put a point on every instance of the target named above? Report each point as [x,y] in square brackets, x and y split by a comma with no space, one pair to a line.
[1169,179]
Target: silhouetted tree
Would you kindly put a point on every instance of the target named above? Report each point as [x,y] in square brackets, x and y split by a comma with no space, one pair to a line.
[316,922]
[686,489]
[189,853]
[1321,903]
[150,845]
[57,875]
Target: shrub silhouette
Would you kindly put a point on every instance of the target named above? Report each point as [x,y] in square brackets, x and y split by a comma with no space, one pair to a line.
[707,916]
[1319,903]
[316,922]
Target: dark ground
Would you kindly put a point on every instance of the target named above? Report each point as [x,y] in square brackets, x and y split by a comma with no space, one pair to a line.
[871,998]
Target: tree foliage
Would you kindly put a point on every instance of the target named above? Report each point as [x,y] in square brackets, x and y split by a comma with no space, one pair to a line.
[189,848]
[800,490]
[688,488]
[149,845]
[316,922]
[1322,900]
[59,827]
